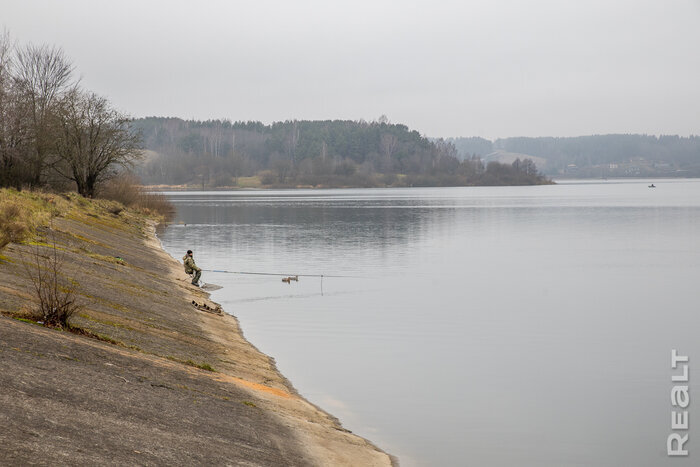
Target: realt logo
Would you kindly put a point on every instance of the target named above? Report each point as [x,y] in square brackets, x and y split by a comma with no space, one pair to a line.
[680,399]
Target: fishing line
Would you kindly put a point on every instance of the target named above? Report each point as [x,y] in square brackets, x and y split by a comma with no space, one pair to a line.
[280,274]
[251,273]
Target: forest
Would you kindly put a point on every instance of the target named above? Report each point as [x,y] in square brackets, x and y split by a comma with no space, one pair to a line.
[598,155]
[331,153]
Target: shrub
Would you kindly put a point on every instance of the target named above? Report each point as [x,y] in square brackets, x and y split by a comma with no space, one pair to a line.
[345,168]
[14,225]
[156,203]
[389,179]
[126,189]
[221,179]
[268,177]
[56,297]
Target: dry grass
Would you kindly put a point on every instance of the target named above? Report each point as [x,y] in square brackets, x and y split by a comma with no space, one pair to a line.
[26,217]
[155,203]
[249,182]
[21,213]
[13,228]
[124,189]
[127,190]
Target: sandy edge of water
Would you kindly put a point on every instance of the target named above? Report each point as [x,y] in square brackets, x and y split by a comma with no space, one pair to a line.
[320,433]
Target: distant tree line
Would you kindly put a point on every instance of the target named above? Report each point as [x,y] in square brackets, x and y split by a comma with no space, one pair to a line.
[54,133]
[311,153]
[665,154]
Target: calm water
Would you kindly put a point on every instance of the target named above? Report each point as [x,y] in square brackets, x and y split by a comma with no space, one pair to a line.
[495,326]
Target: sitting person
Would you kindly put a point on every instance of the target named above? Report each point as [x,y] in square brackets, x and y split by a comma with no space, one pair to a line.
[191,268]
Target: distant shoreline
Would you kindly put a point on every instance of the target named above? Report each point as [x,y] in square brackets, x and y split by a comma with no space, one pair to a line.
[309,187]
[555,180]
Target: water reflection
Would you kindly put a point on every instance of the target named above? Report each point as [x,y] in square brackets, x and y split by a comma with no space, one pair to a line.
[487,326]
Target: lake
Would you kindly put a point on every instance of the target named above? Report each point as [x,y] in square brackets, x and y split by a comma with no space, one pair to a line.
[484,326]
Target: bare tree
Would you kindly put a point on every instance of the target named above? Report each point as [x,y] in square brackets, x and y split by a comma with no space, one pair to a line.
[94,140]
[237,164]
[14,125]
[291,142]
[5,66]
[388,144]
[42,74]
[7,159]
[283,168]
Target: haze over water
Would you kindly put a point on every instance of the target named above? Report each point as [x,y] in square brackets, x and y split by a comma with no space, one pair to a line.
[491,326]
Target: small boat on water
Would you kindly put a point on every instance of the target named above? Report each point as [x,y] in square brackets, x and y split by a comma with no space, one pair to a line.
[652,186]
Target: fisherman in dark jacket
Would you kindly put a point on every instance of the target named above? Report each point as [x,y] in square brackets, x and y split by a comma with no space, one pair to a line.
[191,268]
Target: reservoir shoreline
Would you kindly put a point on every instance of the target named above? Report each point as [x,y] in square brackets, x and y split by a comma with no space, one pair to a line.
[330,424]
[441,277]
[146,377]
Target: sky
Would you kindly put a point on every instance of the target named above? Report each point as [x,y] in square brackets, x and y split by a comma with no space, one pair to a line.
[491,68]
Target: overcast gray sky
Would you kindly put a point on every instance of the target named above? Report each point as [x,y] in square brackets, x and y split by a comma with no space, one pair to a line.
[491,68]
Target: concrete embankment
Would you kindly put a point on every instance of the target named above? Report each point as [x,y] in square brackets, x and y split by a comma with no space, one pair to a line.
[148,378]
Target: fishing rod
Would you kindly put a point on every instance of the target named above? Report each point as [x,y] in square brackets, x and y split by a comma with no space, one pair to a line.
[288,276]
[279,274]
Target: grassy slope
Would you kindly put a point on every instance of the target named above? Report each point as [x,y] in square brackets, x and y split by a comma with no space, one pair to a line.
[138,303]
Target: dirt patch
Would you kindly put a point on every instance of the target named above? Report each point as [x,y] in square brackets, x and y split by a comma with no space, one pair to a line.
[70,400]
